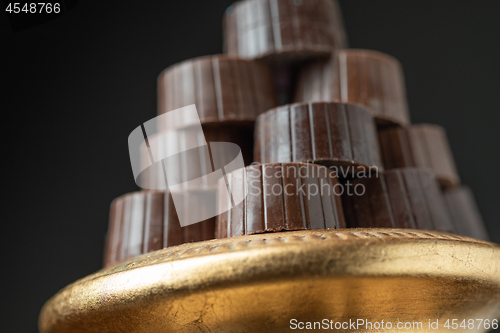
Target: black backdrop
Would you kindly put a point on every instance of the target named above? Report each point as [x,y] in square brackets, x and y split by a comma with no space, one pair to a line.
[75,87]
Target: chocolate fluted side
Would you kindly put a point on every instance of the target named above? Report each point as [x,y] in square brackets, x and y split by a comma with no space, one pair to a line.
[464,213]
[321,132]
[399,198]
[200,159]
[424,146]
[280,196]
[223,88]
[141,222]
[369,78]
[283,30]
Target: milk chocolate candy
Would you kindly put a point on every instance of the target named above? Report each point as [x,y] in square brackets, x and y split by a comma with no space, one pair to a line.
[369,78]
[277,197]
[399,198]
[327,133]
[225,89]
[283,30]
[146,221]
[464,213]
[421,145]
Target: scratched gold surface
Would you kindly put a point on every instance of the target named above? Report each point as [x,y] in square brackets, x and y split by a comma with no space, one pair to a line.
[258,283]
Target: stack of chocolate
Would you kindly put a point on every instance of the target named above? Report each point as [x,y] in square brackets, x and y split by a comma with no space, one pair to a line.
[344,154]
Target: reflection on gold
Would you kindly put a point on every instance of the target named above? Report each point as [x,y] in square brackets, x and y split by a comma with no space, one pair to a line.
[259,283]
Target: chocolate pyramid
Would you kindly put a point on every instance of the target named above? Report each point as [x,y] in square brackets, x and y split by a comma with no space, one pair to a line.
[343,155]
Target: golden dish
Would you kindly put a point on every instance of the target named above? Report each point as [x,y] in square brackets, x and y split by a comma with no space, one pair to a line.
[279,281]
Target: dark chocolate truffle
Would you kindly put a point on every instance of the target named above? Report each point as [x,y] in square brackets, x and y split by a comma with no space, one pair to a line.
[193,163]
[224,89]
[369,78]
[278,197]
[424,146]
[399,198]
[331,134]
[283,30]
[141,222]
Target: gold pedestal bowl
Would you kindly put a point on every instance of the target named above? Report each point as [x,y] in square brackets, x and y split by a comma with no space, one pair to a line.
[348,280]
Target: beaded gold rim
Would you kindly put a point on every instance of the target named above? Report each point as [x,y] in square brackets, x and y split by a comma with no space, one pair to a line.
[261,282]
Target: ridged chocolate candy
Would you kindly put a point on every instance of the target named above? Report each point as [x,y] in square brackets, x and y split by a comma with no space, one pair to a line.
[282,30]
[223,88]
[424,146]
[464,213]
[400,198]
[196,162]
[324,133]
[280,196]
[369,78]
[146,221]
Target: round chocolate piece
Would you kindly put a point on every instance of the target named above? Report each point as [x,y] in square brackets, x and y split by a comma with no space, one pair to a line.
[464,213]
[223,88]
[327,133]
[424,146]
[192,163]
[277,197]
[400,198]
[146,221]
[283,30]
[369,78]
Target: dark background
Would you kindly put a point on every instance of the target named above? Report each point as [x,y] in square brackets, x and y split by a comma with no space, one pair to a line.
[75,87]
